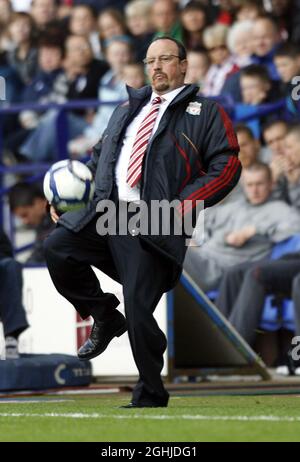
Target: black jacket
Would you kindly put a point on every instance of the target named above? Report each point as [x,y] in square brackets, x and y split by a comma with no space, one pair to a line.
[192,156]
[5,246]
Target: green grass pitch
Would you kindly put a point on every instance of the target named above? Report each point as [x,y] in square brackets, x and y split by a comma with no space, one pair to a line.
[191,419]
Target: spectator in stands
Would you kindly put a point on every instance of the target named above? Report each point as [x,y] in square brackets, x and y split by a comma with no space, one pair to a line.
[242,232]
[239,44]
[249,10]
[198,65]
[41,90]
[223,64]
[227,11]
[165,19]
[83,22]
[133,75]
[250,152]
[12,312]
[13,84]
[256,88]
[23,56]
[79,81]
[285,13]
[287,62]
[291,175]
[6,12]
[43,12]
[111,23]
[194,19]
[28,203]
[244,287]
[112,88]
[138,19]
[274,133]
[249,145]
[265,39]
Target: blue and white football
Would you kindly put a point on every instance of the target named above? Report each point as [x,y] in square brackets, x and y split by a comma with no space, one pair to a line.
[69,185]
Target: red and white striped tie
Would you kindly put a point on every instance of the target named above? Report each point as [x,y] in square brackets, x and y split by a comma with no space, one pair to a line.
[140,144]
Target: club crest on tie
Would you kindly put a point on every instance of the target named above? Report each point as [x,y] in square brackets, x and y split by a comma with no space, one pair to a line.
[194,108]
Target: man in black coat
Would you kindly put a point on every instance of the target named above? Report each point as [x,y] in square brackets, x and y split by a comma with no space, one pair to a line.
[164,143]
[12,312]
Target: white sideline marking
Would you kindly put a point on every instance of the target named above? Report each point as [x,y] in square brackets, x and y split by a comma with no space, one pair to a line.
[240,418]
[30,401]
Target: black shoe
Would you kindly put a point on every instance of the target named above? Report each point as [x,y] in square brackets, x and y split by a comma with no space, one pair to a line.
[102,333]
[134,405]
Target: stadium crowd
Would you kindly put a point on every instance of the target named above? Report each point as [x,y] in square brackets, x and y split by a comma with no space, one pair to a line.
[243,53]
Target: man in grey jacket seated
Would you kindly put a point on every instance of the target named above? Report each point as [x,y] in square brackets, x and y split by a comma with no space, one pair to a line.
[242,231]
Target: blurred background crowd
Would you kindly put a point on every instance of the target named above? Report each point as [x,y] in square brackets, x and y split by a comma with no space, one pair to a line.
[245,54]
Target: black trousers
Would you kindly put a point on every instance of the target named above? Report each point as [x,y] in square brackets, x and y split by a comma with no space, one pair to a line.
[12,312]
[244,287]
[143,275]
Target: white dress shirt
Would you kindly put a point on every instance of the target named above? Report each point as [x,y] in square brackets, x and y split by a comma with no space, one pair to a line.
[126,192]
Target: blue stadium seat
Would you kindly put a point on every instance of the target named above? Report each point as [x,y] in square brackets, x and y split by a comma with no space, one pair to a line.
[275,317]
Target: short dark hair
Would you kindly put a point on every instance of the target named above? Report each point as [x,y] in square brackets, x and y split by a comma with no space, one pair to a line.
[242,128]
[270,18]
[91,8]
[49,41]
[256,70]
[294,129]
[270,123]
[260,167]
[23,194]
[289,49]
[181,48]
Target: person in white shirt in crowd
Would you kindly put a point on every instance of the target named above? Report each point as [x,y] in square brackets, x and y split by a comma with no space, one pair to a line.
[241,231]
[239,42]
[223,63]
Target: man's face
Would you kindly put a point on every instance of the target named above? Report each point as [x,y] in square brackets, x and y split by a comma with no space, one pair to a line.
[265,37]
[287,67]
[197,68]
[138,23]
[165,76]
[163,15]
[78,50]
[292,149]
[43,11]
[118,54]
[193,20]
[133,76]
[274,138]
[32,215]
[249,149]
[82,21]
[50,58]
[257,186]
[254,90]
[20,30]
[108,26]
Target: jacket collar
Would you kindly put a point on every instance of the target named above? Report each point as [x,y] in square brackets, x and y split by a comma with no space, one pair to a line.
[136,96]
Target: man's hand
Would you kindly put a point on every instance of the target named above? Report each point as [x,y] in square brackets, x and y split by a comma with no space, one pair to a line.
[239,238]
[278,166]
[292,172]
[53,214]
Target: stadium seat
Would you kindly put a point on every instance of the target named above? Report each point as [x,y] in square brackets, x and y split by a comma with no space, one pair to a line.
[279,313]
